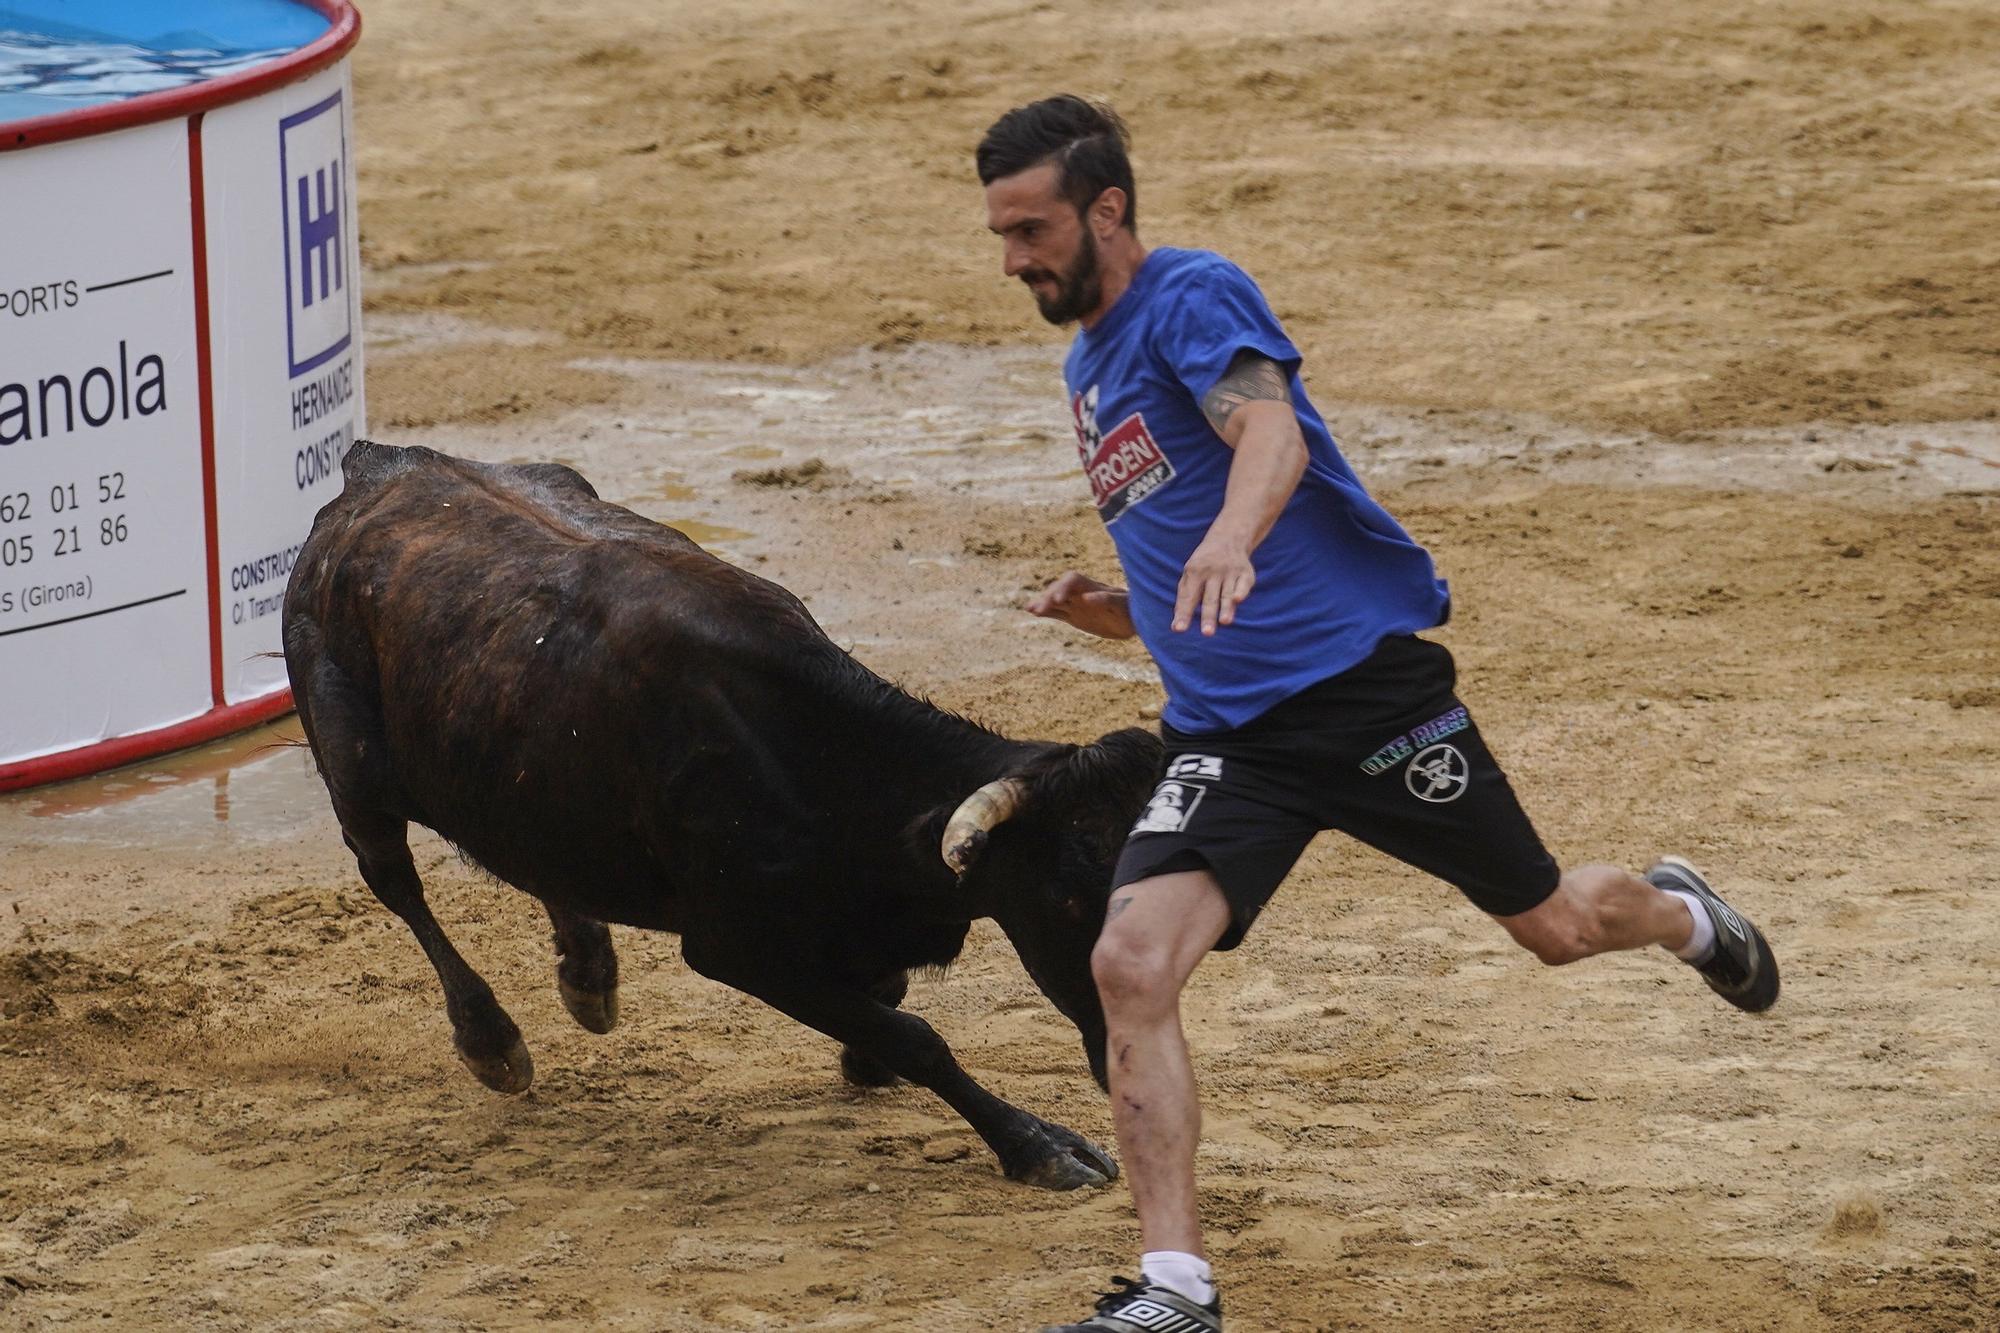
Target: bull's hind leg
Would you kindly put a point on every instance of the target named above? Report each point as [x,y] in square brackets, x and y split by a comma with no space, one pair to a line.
[586,969]
[482,1033]
[348,743]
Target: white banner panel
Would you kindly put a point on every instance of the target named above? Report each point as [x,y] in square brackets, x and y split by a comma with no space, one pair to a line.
[103,566]
[284,267]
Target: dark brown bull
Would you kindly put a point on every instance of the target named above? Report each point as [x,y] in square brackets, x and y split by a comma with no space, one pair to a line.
[602,714]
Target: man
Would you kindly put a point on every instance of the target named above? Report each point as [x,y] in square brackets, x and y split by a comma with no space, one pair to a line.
[1281,605]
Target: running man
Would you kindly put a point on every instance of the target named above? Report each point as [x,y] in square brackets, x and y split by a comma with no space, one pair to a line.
[1282,605]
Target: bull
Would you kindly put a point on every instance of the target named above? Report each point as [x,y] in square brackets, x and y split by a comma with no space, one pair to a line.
[600,713]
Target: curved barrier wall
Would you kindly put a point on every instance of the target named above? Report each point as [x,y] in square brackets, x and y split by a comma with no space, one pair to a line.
[180,378]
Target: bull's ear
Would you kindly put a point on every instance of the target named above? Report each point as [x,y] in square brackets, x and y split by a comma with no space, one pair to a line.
[1122,752]
[1113,774]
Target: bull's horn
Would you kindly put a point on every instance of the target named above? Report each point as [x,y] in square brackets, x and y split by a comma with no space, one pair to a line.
[979,814]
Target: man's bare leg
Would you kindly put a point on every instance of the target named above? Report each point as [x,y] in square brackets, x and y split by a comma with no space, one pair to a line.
[1599,909]
[1156,932]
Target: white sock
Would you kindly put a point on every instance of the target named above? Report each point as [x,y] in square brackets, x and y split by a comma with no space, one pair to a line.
[1702,943]
[1178,1272]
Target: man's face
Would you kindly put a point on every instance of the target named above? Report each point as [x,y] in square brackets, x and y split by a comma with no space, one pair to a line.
[1048,247]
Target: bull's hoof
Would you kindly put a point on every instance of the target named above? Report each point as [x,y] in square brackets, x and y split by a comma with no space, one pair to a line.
[594,1011]
[865,1071]
[510,1072]
[1055,1158]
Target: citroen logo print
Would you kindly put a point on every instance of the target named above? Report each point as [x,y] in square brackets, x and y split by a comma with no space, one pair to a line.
[1438,774]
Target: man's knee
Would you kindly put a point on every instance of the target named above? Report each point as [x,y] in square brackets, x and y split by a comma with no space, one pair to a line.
[1155,933]
[1133,972]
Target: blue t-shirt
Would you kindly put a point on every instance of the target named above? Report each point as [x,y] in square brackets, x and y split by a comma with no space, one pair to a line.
[1335,576]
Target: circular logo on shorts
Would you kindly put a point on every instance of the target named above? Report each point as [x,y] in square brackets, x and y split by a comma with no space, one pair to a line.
[1438,774]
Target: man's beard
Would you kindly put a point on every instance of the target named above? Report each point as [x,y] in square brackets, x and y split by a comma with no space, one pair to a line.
[1078,291]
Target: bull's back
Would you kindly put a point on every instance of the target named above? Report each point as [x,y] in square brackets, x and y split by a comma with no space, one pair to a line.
[552,675]
[426,562]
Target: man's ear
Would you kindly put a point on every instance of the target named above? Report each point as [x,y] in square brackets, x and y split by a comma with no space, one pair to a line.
[1107,211]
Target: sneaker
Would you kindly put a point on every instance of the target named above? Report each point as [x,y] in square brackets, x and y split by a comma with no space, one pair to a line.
[1146,1307]
[1741,968]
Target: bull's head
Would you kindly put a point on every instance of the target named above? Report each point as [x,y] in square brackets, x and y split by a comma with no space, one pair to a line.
[1036,850]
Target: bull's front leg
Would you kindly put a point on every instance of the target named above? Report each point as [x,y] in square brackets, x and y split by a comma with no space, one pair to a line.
[860,1068]
[1030,1148]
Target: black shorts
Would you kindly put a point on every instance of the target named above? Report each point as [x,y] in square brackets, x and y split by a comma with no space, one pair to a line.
[1383,752]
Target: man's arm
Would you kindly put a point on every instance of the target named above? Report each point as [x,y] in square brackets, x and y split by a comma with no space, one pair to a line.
[1093,607]
[1251,409]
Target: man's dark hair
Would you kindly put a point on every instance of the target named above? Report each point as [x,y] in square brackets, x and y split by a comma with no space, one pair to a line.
[1085,140]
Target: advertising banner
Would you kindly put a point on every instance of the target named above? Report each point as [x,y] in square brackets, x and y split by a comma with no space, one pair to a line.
[103,564]
[284,267]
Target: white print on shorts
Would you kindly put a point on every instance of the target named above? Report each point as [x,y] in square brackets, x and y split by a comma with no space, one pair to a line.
[1195,766]
[1438,774]
[1407,744]
[1172,808]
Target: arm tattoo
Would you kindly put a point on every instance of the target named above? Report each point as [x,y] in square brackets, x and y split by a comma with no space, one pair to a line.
[1251,377]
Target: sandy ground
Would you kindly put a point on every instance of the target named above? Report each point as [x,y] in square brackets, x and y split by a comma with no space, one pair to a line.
[1669,327]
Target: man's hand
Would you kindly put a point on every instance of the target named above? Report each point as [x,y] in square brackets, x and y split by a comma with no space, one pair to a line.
[1217,577]
[1092,607]
[1251,409]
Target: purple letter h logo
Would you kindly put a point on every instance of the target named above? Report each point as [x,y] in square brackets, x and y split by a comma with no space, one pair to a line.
[319,234]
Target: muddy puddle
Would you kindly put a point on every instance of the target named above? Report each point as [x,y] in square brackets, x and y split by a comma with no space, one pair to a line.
[257,785]
[992,422]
